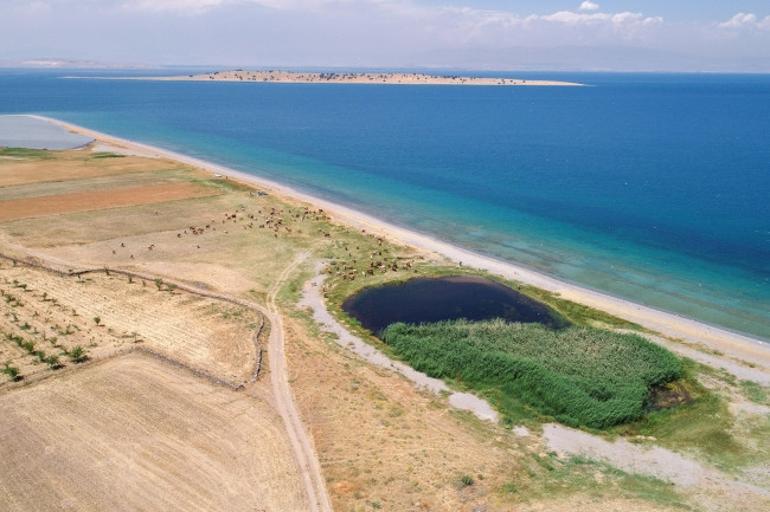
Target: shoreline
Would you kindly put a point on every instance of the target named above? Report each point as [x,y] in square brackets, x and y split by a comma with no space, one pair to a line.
[751,350]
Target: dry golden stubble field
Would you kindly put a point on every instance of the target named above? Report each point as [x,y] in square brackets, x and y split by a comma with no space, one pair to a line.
[134,433]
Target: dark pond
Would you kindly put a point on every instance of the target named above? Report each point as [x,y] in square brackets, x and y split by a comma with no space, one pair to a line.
[425,300]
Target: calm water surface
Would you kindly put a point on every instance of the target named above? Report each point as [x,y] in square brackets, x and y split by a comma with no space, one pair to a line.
[428,300]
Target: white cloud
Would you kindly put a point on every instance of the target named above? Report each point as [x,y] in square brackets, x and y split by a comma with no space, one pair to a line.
[618,20]
[453,24]
[746,20]
[182,6]
[200,6]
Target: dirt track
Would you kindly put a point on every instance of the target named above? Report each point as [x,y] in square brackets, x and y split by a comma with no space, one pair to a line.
[279,377]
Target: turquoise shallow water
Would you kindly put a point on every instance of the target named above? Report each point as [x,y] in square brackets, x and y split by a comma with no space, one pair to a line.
[650,187]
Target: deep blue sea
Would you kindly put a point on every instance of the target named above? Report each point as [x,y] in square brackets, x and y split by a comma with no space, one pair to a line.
[651,187]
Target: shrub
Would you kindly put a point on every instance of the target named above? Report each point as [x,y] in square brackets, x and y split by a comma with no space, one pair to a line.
[581,376]
[97,320]
[78,354]
[12,372]
[466,480]
[53,362]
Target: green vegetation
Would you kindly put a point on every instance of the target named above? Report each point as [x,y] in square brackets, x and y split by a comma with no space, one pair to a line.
[546,476]
[466,481]
[582,376]
[11,371]
[78,354]
[25,153]
[705,425]
[577,313]
[755,392]
[106,154]
[52,361]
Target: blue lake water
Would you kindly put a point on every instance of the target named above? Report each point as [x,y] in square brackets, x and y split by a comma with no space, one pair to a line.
[650,187]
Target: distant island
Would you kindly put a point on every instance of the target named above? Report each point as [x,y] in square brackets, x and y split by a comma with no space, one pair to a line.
[390,78]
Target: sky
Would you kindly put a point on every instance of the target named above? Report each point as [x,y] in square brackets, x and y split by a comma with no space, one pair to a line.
[613,35]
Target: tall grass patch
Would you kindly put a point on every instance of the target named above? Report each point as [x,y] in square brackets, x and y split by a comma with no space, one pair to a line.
[581,376]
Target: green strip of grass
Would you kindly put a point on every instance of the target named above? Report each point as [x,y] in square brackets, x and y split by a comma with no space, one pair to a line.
[581,376]
[548,477]
[25,153]
[100,155]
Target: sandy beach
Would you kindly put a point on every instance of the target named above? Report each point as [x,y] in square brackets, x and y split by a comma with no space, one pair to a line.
[732,345]
[298,77]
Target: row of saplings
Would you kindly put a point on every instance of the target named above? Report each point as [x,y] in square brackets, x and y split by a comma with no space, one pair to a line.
[579,375]
[76,354]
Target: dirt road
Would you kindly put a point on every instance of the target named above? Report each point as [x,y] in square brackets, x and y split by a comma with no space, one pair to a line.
[304,451]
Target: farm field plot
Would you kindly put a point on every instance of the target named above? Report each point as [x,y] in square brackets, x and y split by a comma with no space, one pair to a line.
[133,433]
[19,167]
[102,313]
[98,199]
[94,184]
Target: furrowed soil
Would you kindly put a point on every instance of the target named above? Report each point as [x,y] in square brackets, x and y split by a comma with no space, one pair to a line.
[134,433]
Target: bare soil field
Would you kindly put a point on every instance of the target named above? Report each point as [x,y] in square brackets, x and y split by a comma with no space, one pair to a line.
[95,200]
[133,433]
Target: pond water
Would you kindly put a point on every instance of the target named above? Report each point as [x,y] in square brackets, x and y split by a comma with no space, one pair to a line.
[33,133]
[426,300]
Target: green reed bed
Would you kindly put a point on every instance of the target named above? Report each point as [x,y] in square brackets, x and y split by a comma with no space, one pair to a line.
[582,376]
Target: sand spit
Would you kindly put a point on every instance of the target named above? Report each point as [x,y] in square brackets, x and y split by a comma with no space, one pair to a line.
[299,77]
[727,343]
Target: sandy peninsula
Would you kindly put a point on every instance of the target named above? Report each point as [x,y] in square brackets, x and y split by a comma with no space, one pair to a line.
[179,325]
[390,78]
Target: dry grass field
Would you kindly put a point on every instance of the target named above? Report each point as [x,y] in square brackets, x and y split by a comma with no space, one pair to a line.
[118,404]
[134,433]
[37,167]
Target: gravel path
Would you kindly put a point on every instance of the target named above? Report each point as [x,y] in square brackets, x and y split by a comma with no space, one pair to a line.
[313,299]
